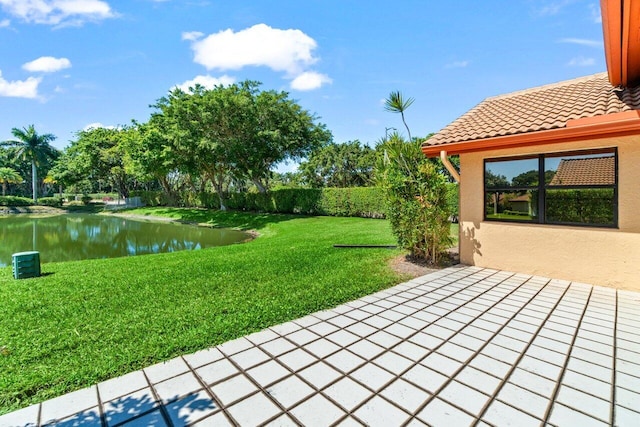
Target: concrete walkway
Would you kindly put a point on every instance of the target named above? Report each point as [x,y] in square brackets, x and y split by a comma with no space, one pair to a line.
[462,346]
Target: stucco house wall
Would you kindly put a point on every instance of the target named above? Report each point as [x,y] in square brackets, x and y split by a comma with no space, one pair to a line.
[602,256]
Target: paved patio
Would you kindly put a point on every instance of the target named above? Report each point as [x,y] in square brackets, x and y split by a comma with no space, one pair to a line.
[462,346]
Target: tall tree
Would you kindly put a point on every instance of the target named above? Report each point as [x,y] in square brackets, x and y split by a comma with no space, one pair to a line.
[152,157]
[33,147]
[396,103]
[234,133]
[9,176]
[97,154]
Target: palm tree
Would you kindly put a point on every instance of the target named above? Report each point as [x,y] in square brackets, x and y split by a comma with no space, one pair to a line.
[31,146]
[8,176]
[396,103]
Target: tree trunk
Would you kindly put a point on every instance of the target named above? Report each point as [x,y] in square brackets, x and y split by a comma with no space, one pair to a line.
[261,188]
[4,188]
[34,180]
[166,186]
[218,186]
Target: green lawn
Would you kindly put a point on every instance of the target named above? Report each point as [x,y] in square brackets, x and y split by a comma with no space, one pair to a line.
[87,321]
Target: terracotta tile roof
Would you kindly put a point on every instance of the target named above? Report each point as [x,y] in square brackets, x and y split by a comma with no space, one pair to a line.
[542,108]
[592,171]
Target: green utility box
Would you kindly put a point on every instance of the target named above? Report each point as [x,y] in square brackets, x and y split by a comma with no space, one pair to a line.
[26,264]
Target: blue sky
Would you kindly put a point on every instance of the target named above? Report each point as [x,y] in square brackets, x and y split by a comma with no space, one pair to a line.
[68,64]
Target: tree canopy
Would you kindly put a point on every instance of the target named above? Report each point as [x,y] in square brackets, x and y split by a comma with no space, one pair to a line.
[349,164]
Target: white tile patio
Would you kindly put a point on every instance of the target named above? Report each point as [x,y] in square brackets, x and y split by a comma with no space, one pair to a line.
[461,346]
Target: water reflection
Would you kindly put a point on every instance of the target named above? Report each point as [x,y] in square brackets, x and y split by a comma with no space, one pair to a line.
[78,236]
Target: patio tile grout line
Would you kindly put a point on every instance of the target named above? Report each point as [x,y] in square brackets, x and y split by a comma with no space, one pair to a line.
[522,355]
[558,384]
[615,363]
[103,415]
[417,362]
[207,389]
[255,383]
[163,411]
[479,350]
[351,412]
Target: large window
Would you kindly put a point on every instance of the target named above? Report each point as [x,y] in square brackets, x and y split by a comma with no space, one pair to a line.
[576,188]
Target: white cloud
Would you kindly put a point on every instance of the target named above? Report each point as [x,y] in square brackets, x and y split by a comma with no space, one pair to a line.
[457,64]
[58,12]
[310,80]
[260,45]
[288,51]
[209,82]
[582,42]
[192,35]
[20,88]
[5,23]
[47,64]
[97,125]
[581,61]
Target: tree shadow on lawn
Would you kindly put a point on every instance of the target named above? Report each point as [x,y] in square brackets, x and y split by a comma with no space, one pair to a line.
[226,219]
[142,409]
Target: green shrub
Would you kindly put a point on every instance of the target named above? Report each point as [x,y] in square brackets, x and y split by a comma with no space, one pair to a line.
[15,201]
[86,199]
[75,203]
[50,201]
[453,199]
[207,200]
[417,203]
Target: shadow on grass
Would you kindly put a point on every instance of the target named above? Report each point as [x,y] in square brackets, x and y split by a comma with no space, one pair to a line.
[215,218]
[142,409]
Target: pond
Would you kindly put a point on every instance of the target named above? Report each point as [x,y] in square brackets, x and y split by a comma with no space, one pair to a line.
[84,236]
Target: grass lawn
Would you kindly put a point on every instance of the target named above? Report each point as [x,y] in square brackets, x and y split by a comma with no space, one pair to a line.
[87,321]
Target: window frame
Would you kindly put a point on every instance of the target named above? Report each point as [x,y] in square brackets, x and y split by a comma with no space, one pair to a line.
[542,187]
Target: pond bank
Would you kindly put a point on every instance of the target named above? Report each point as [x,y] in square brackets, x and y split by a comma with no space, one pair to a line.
[49,210]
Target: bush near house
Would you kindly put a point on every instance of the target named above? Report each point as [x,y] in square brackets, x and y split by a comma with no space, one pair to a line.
[418,202]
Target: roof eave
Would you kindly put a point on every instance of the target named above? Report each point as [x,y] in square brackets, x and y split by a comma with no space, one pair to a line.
[621,31]
[608,126]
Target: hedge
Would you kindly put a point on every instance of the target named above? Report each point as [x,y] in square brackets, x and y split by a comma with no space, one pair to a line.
[582,206]
[15,201]
[50,201]
[368,202]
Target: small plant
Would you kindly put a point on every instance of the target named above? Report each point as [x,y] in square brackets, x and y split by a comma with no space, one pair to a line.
[86,199]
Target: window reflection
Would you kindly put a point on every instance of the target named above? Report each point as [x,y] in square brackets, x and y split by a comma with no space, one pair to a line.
[585,170]
[512,206]
[511,173]
[579,188]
